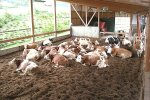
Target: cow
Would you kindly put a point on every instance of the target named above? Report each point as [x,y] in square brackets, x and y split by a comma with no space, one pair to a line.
[23,66]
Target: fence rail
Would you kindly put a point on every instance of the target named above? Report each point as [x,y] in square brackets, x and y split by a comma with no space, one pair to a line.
[31,36]
[18,30]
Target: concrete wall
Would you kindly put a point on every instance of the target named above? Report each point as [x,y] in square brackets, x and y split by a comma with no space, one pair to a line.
[85,31]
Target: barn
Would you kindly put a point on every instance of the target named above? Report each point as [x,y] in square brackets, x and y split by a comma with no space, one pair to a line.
[74,50]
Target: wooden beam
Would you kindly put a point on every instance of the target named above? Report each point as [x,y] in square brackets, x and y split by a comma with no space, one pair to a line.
[131,18]
[55,19]
[113,6]
[98,20]
[92,17]
[147,54]
[32,20]
[78,14]
[86,13]
[138,26]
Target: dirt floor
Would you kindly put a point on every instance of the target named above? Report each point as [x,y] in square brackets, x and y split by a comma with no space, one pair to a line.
[120,81]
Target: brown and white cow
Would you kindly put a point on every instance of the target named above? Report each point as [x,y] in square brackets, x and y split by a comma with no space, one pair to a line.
[139,47]
[31,46]
[92,58]
[119,52]
[31,54]
[58,60]
[23,66]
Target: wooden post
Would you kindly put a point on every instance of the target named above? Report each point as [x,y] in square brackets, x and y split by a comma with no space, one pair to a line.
[55,20]
[147,54]
[32,20]
[138,26]
[98,20]
[70,20]
[86,12]
[131,17]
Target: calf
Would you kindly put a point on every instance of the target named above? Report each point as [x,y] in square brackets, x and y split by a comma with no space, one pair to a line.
[70,54]
[58,60]
[48,49]
[112,40]
[91,58]
[23,66]
[139,47]
[30,46]
[47,42]
[31,54]
[119,52]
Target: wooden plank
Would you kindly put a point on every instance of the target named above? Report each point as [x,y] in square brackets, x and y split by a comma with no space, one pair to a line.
[31,36]
[86,13]
[32,20]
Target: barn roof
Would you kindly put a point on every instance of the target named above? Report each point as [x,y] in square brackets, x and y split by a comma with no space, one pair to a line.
[130,6]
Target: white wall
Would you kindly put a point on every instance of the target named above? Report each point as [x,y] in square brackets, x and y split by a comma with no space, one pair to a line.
[85,31]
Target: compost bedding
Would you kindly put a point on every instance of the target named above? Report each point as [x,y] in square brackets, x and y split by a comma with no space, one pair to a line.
[121,80]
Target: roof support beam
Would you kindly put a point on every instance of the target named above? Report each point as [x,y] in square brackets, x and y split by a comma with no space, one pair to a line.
[92,17]
[78,14]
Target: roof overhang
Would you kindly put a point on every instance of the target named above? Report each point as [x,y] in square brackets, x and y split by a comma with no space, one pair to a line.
[113,6]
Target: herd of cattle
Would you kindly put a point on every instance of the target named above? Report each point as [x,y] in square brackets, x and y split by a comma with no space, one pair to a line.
[82,50]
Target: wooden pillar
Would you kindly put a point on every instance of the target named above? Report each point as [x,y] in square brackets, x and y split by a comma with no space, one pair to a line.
[138,26]
[131,17]
[86,12]
[32,20]
[147,54]
[55,20]
[98,20]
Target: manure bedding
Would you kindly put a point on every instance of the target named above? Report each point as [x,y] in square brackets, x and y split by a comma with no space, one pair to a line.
[121,80]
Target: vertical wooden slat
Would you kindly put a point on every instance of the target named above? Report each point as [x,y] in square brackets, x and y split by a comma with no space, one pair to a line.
[32,20]
[98,20]
[70,20]
[131,17]
[147,54]
[55,19]
[138,26]
[86,12]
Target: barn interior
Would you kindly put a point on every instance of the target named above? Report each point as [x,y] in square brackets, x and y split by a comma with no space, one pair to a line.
[123,79]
